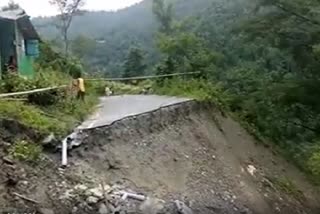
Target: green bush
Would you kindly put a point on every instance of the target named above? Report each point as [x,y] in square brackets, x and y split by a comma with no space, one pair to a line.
[198,89]
[288,187]
[26,151]
[314,164]
[44,78]
[77,109]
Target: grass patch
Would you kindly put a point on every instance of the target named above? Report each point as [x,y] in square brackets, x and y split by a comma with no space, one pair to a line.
[59,118]
[30,116]
[26,151]
[314,165]
[287,186]
[72,110]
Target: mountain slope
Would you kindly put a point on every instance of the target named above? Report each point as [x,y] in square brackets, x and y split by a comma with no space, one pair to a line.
[132,26]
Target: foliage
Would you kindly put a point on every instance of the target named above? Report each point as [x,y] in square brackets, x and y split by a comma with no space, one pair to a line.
[44,78]
[54,61]
[267,73]
[199,89]
[288,187]
[163,12]
[115,32]
[76,110]
[26,151]
[82,46]
[56,111]
[67,9]
[31,116]
[11,6]
[134,65]
[314,163]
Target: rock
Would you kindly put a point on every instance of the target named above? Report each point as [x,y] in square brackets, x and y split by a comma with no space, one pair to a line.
[46,211]
[152,206]
[103,209]
[67,195]
[183,208]
[96,192]
[8,160]
[80,187]
[74,210]
[251,169]
[25,183]
[51,139]
[92,200]
[214,157]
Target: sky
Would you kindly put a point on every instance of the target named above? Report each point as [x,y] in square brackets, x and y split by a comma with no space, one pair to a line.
[43,8]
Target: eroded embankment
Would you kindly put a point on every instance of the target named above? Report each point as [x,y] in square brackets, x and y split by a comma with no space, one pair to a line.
[194,153]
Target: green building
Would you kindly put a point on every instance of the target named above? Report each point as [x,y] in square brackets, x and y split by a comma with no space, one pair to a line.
[19,42]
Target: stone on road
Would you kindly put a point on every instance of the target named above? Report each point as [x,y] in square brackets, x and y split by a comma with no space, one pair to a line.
[114,108]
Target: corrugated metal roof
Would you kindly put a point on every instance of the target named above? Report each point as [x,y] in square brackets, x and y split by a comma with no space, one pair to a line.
[23,21]
[27,29]
[13,14]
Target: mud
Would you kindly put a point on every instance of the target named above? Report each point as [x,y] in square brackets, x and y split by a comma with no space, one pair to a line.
[190,152]
[195,153]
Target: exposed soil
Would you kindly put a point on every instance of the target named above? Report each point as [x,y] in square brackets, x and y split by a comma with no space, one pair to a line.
[191,152]
[195,153]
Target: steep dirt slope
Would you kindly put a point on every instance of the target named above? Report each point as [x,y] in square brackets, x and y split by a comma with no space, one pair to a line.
[194,153]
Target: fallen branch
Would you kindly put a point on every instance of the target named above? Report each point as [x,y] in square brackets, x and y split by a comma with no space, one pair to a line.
[25,198]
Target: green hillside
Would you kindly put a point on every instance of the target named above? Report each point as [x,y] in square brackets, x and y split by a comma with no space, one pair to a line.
[133,26]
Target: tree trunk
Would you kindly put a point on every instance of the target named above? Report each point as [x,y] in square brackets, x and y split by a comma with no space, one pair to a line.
[66,42]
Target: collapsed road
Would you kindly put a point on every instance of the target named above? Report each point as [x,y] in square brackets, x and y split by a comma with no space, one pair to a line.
[159,155]
[115,108]
[178,149]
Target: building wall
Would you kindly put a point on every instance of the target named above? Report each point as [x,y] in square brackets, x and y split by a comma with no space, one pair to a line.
[7,38]
[25,63]
[13,43]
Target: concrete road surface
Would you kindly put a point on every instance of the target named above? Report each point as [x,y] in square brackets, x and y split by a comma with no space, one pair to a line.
[115,108]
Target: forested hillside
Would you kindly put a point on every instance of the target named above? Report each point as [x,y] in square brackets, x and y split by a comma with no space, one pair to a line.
[260,59]
[116,33]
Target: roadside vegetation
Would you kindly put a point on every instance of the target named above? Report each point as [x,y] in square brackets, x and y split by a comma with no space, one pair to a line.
[55,112]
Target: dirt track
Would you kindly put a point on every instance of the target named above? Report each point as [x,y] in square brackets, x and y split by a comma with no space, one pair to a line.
[194,153]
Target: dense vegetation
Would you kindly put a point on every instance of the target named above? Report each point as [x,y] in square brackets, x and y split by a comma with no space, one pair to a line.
[103,39]
[266,73]
[258,59]
[56,111]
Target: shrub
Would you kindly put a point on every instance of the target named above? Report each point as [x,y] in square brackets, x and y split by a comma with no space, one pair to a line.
[31,116]
[198,89]
[314,164]
[26,151]
[288,187]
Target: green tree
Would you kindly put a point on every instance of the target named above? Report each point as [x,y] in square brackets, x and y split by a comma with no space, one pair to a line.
[163,12]
[67,10]
[134,63]
[11,6]
[82,46]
